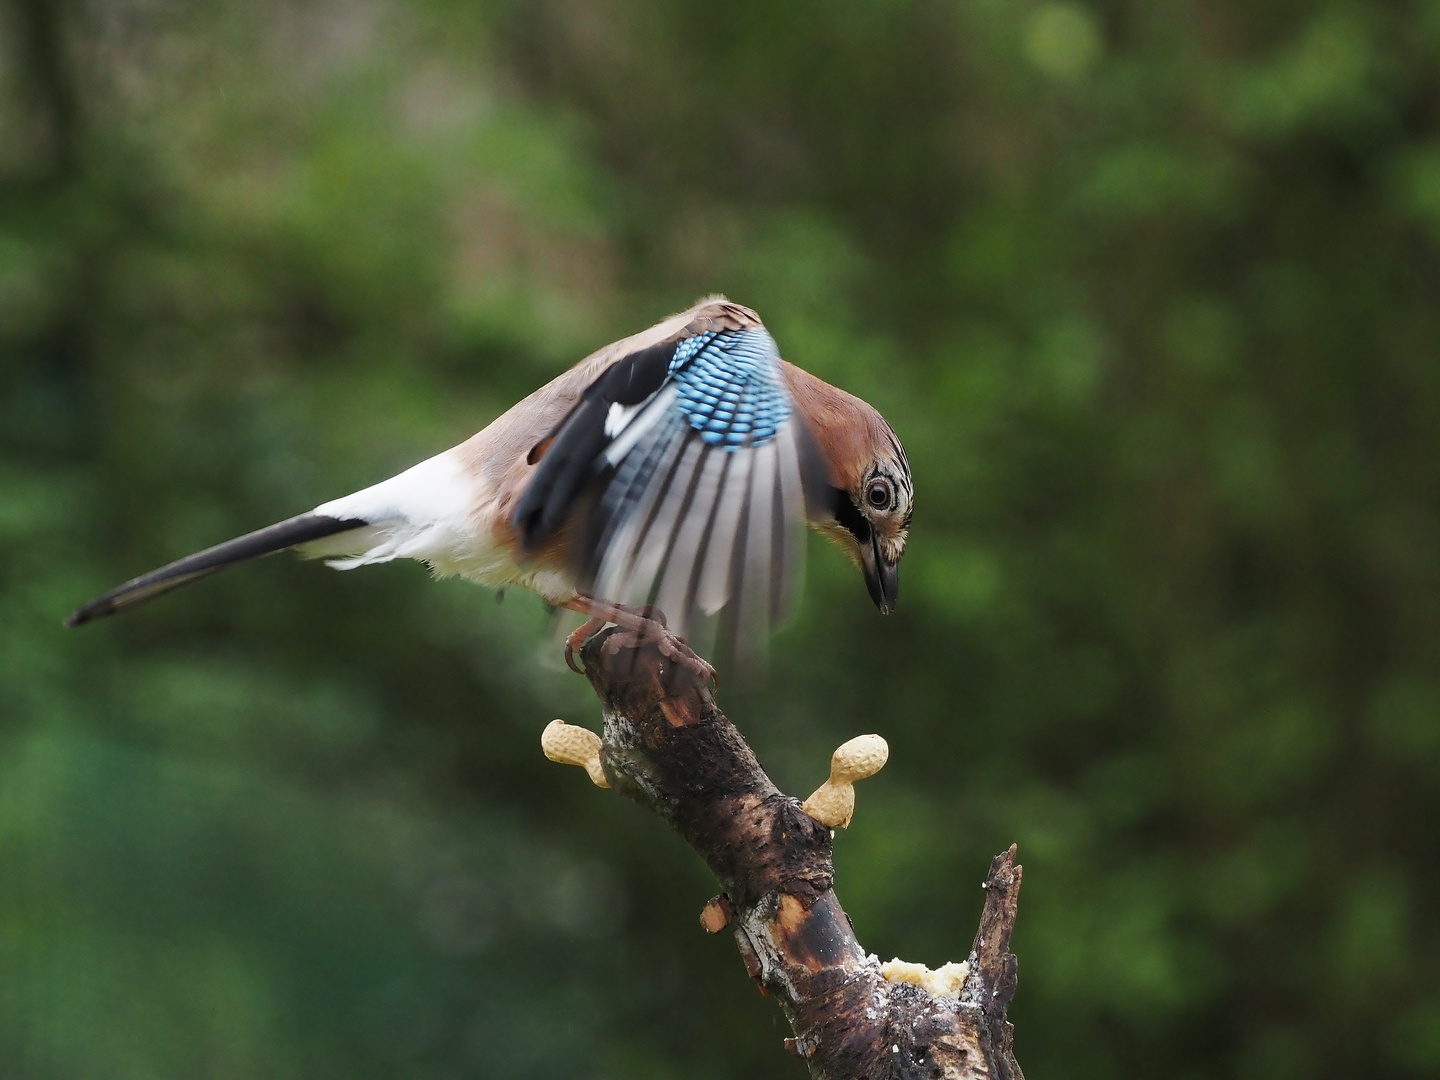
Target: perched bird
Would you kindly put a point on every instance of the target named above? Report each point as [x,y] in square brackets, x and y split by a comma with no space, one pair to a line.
[669,474]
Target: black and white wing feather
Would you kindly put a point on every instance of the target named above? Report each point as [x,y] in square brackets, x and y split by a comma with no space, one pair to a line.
[688,462]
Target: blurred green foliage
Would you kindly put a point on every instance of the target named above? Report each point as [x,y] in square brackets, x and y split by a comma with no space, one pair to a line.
[1151,291]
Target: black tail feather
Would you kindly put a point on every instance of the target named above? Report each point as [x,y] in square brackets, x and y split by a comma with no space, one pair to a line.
[278,537]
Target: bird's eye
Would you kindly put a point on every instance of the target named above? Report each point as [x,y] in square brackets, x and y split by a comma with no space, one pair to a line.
[878,494]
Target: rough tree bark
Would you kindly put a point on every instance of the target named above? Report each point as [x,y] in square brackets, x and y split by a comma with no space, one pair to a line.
[668,747]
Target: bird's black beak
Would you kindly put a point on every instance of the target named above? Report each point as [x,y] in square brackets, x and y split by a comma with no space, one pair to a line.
[881,578]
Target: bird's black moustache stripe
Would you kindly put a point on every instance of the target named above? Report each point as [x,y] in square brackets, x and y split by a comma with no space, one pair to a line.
[849,516]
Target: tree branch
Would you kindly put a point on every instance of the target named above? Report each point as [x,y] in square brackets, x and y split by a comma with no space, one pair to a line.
[667,747]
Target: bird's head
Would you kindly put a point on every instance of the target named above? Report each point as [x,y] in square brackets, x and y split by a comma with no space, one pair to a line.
[866,505]
[872,521]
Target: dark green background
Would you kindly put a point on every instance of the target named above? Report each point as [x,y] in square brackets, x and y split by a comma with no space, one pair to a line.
[1151,290]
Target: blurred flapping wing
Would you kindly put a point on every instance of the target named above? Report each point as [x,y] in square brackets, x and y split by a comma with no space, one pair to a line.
[689,463]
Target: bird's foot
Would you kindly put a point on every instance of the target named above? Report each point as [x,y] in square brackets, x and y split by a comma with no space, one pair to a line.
[644,624]
[651,626]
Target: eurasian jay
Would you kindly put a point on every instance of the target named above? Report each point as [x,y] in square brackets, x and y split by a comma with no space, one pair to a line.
[673,469]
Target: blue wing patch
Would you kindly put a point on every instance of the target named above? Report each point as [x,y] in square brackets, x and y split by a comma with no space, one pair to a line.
[728,387]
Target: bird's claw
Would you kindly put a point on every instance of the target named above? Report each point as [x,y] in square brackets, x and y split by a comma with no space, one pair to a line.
[677,649]
[643,625]
[576,640]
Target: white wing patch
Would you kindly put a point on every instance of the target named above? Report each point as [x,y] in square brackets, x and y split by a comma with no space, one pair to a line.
[641,419]
[619,417]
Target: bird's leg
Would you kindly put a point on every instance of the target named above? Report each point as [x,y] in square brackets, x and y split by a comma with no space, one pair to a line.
[647,623]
